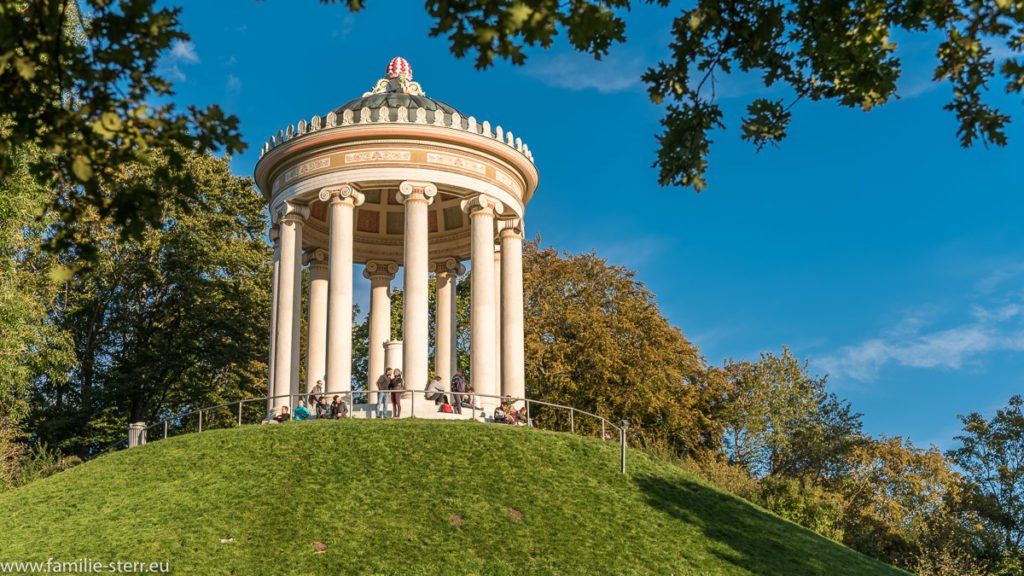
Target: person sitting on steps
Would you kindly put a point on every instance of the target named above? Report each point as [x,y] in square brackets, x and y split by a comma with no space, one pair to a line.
[338,409]
[469,401]
[524,420]
[509,408]
[301,412]
[322,409]
[281,416]
[435,391]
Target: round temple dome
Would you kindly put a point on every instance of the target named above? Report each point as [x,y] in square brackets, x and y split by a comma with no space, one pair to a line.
[395,100]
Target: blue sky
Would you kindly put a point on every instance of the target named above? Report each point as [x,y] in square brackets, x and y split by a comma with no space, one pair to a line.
[870,244]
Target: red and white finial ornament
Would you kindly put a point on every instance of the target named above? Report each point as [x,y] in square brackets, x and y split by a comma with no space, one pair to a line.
[398,68]
[397,78]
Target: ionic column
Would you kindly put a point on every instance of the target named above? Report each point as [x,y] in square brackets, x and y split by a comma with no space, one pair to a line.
[380,275]
[445,341]
[275,239]
[316,339]
[342,203]
[483,376]
[497,319]
[416,196]
[513,360]
[291,218]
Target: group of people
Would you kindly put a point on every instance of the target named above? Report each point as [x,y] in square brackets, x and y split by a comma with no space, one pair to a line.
[507,413]
[322,410]
[391,385]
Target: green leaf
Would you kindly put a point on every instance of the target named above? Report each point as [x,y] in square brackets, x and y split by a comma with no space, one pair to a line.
[82,168]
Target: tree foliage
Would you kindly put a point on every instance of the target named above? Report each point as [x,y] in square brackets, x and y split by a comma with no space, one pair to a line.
[902,503]
[30,346]
[81,83]
[991,455]
[595,339]
[779,420]
[837,51]
[176,319]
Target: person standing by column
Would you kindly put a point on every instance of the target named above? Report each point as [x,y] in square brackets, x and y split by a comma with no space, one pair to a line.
[458,387]
[396,386]
[316,392]
[383,383]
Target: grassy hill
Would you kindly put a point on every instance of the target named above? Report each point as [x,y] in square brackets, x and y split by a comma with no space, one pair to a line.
[403,497]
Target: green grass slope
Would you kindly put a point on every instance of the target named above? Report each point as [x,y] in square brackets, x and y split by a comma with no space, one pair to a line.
[387,497]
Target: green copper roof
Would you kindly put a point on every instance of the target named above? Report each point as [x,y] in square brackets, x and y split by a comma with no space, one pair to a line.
[395,100]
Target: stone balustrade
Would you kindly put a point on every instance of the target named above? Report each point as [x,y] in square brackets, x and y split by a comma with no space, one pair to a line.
[402,115]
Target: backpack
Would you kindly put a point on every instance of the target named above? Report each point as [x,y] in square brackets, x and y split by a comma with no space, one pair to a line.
[447,408]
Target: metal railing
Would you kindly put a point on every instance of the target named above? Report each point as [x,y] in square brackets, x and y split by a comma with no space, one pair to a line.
[183,422]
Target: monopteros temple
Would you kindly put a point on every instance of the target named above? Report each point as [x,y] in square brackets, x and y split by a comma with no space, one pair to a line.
[396,180]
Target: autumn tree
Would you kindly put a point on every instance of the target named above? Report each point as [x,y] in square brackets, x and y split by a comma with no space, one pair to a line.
[596,340]
[905,506]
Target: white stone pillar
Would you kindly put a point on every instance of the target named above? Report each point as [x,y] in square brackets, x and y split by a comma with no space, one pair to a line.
[513,360]
[342,203]
[416,196]
[275,239]
[497,319]
[483,378]
[291,218]
[393,358]
[380,275]
[446,338]
[393,355]
[316,338]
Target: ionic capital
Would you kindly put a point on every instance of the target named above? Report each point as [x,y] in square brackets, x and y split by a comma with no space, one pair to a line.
[380,270]
[316,258]
[289,212]
[448,267]
[340,194]
[410,190]
[510,228]
[482,204]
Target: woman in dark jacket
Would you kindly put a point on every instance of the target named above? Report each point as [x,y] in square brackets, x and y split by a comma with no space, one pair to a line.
[338,408]
[396,387]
